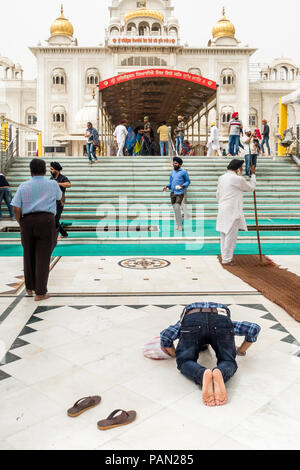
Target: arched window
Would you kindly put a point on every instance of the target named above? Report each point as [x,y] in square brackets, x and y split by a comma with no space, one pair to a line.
[131,28]
[253,118]
[144,29]
[292,74]
[265,76]
[227,77]
[156,29]
[114,31]
[195,71]
[31,117]
[283,73]
[92,76]
[173,31]
[59,115]
[59,78]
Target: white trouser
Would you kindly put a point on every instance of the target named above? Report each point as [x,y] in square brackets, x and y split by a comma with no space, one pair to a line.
[212,152]
[121,145]
[178,215]
[228,242]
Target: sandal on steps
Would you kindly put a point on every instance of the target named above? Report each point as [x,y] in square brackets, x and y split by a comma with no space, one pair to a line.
[113,421]
[83,405]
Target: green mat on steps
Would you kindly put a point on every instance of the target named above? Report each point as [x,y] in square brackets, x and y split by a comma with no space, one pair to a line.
[158,250]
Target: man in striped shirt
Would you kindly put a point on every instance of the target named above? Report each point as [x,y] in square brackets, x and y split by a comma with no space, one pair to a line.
[234,129]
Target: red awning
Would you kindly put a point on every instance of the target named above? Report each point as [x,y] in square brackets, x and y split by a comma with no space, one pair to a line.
[158,93]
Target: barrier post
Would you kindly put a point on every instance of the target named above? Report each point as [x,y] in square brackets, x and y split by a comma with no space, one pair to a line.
[40,145]
[282,126]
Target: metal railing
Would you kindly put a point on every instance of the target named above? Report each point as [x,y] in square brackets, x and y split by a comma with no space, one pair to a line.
[9,147]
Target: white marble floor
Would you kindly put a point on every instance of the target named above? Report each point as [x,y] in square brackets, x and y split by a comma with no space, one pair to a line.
[82,343]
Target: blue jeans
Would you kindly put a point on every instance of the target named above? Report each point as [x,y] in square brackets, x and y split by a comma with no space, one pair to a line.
[91,151]
[199,329]
[5,194]
[180,142]
[266,141]
[164,148]
[234,142]
[248,163]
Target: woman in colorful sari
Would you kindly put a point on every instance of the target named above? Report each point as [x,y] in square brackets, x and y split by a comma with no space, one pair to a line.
[139,144]
[130,141]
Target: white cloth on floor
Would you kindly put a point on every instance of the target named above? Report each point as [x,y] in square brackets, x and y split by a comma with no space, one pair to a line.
[229,240]
[230,195]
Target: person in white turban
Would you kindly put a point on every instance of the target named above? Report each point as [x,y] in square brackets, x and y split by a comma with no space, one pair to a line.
[213,143]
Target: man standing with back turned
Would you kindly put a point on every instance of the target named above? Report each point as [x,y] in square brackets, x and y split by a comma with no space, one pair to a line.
[231,217]
[35,210]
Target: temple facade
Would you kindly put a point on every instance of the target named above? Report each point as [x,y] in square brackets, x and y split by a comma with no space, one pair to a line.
[140,35]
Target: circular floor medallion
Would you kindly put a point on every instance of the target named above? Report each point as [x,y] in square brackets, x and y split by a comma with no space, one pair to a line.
[144,263]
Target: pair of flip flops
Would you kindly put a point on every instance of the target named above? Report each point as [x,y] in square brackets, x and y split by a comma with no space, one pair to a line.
[116,419]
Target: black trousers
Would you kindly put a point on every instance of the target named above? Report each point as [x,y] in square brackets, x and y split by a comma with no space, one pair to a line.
[39,238]
[59,227]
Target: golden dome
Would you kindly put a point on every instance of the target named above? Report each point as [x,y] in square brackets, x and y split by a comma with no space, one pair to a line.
[62,26]
[144,12]
[224,28]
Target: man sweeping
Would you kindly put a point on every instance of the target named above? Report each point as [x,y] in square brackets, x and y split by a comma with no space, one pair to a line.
[231,219]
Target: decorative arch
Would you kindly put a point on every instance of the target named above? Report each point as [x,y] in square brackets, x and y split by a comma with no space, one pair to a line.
[92,77]
[226,114]
[156,29]
[195,71]
[144,28]
[59,115]
[31,116]
[228,77]
[253,117]
[283,73]
[59,78]
[131,28]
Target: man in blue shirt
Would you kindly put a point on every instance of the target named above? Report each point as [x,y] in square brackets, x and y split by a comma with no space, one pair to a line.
[35,210]
[178,184]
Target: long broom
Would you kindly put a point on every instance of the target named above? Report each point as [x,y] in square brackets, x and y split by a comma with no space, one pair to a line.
[269,261]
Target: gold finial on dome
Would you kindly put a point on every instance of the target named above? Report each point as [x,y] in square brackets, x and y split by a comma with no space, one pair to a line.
[224,28]
[62,26]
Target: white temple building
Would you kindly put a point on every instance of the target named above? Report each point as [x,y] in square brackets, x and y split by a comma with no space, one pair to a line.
[140,35]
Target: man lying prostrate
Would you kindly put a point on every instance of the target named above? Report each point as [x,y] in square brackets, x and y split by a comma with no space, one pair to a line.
[202,324]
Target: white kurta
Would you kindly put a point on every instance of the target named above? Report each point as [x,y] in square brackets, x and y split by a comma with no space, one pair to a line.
[213,143]
[120,134]
[230,196]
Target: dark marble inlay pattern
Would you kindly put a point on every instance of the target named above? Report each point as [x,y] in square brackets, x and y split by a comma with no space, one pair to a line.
[291,340]
[19,343]
[279,327]
[9,358]
[269,317]
[27,331]
[4,375]
[255,307]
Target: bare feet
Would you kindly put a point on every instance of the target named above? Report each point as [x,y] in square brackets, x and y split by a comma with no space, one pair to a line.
[208,389]
[219,388]
[232,263]
[29,293]
[39,298]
